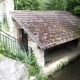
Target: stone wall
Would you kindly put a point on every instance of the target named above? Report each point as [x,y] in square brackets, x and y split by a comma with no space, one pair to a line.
[7,6]
[2,6]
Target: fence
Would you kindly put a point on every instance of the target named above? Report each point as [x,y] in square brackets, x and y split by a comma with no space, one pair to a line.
[10,42]
[12,45]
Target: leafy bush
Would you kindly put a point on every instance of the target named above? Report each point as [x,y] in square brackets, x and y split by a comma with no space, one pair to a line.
[76,10]
[73,6]
[55,4]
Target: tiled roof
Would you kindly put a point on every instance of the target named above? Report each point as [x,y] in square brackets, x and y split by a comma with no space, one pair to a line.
[49,28]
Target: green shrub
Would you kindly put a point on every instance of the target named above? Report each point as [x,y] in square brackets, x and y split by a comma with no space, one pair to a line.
[76,10]
[62,63]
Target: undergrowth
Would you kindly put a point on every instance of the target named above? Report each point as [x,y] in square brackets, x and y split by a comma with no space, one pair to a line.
[22,56]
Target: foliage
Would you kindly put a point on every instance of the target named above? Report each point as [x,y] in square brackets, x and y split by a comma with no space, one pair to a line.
[69,5]
[26,4]
[76,10]
[1,49]
[59,66]
[55,4]
[43,5]
[51,75]
[9,50]
[74,6]
[40,77]
[30,63]
[20,56]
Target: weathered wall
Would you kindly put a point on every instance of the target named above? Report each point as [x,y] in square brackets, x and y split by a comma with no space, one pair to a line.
[7,6]
[2,5]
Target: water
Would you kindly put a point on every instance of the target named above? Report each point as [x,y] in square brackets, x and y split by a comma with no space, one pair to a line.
[69,72]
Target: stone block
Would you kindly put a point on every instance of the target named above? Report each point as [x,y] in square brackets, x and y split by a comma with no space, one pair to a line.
[12,70]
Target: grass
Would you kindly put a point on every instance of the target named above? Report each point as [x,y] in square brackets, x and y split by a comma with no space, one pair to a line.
[60,66]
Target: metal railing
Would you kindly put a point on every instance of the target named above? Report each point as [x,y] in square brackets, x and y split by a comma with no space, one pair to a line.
[12,44]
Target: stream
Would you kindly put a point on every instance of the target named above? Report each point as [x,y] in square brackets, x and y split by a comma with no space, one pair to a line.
[69,72]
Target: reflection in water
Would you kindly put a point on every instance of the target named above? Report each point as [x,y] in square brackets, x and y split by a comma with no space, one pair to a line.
[69,72]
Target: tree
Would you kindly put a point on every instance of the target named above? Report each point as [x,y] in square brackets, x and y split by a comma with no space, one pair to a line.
[74,6]
[69,5]
[56,4]
[76,10]
[26,4]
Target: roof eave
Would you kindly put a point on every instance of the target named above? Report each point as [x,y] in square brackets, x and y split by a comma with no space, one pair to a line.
[31,35]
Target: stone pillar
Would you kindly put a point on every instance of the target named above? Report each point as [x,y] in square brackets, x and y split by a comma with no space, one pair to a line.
[9,7]
[2,6]
[39,54]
